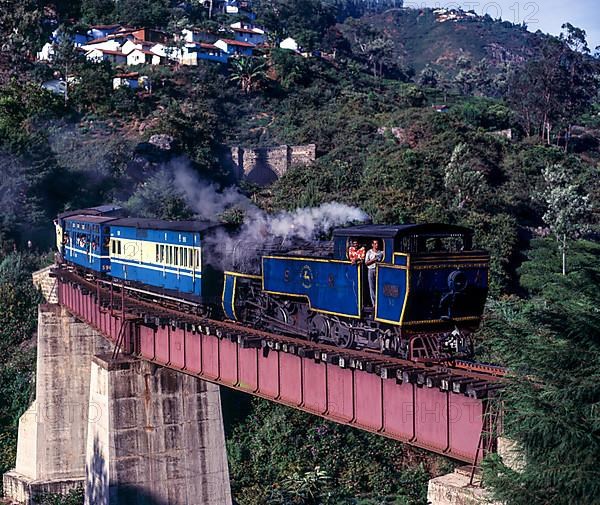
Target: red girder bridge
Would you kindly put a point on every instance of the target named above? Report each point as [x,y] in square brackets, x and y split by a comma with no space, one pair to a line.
[446,410]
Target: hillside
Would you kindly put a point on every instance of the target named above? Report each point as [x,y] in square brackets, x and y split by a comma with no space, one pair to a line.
[440,38]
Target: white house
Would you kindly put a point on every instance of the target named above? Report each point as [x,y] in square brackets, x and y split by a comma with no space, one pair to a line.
[108,44]
[234,47]
[248,26]
[47,52]
[232,7]
[97,55]
[290,44]
[160,50]
[131,44]
[143,57]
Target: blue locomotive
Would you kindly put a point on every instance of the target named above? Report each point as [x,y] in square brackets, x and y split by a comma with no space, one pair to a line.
[423,300]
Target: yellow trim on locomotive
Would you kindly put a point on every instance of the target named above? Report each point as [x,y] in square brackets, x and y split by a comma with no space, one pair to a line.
[396,267]
[240,274]
[320,260]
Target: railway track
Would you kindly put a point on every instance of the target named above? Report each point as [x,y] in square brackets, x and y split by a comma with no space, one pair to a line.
[472,379]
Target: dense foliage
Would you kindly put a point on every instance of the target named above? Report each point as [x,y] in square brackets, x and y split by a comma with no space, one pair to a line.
[478,123]
[551,343]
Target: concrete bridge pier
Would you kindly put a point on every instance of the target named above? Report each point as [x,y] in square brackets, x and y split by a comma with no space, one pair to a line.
[157,437]
[53,431]
[124,430]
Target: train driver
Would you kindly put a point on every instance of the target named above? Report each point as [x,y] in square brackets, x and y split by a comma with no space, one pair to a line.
[374,256]
[356,254]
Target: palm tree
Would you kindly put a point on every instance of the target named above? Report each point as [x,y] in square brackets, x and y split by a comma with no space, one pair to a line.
[249,72]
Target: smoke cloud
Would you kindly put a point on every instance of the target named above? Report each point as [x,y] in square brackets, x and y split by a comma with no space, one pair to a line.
[260,231]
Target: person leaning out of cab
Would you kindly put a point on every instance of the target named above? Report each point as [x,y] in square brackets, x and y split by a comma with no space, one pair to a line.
[356,254]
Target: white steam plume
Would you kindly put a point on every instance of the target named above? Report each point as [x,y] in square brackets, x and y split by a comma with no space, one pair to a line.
[259,228]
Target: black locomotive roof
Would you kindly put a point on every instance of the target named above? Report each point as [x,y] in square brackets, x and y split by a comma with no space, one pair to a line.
[393,231]
[159,224]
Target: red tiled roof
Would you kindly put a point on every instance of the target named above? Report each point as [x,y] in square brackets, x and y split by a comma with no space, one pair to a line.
[204,45]
[237,43]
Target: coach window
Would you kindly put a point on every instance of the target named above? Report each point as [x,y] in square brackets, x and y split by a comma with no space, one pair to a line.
[114,246]
[157,253]
[176,256]
[182,257]
[191,257]
[119,247]
[162,253]
[197,259]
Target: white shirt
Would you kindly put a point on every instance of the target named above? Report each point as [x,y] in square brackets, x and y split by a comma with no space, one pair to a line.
[372,255]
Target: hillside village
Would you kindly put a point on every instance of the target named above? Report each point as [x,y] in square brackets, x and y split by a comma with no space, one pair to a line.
[123,45]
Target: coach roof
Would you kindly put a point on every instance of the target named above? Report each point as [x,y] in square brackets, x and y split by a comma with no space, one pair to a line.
[162,225]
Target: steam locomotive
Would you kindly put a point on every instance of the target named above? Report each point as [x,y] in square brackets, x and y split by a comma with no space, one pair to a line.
[430,287]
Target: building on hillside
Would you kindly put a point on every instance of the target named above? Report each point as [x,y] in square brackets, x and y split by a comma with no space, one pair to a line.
[210,52]
[143,57]
[46,53]
[249,35]
[98,55]
[289,44]
[106,43]
[235,47]
[193,52]
[48,50]
[193,35]
[248,26]
[149,35]
[101,31]
[132,80]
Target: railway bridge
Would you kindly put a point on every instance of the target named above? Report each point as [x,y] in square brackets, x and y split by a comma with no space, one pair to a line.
[137,426]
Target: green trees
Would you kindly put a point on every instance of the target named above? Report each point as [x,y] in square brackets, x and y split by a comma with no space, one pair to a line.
[551,344]
[150,13]
[305,20]
[22,33]
[248,72]
[550,91]
[98,11]
[461,178]
[568,209]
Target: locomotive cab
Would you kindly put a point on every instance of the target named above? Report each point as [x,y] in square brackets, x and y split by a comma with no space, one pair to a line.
[431,281]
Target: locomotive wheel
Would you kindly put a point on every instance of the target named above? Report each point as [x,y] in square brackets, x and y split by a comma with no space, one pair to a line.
[341,335]
[318,328]
[281,314]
